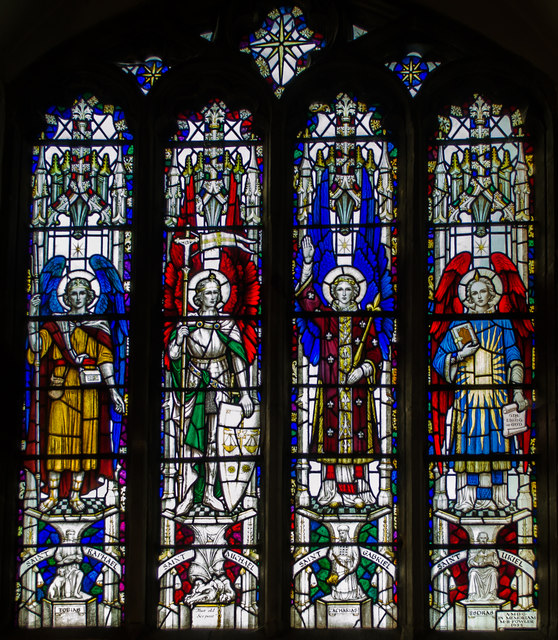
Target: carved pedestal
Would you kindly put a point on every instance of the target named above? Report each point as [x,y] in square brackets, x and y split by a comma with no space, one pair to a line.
[478,616]
[336,614]
[70,613]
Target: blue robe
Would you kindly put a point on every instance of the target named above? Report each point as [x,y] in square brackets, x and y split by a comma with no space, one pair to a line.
[477,421]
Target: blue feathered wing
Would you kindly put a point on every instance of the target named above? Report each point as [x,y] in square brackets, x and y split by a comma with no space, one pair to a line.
[371,259]
[111,302]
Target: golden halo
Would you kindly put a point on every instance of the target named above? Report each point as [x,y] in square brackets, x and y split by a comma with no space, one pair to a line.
[485,273]
[78,273]
[346,270]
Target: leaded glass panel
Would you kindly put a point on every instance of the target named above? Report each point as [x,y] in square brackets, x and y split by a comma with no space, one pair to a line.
[481,422]
[211,429]
[72,482]
[281,46]
[344,407]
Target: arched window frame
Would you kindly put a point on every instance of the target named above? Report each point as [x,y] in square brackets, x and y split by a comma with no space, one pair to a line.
[191,84]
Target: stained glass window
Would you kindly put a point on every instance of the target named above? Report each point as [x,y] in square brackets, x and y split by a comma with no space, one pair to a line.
[146,73]
[281,46]
[483,531]
[211,429]
[343,431]
[412,70]
[72,484]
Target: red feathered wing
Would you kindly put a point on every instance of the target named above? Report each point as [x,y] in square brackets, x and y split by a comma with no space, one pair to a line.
[514,300]
[446,301]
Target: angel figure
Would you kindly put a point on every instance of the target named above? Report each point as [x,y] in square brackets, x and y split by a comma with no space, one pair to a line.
[75,357]
[208,351]
[345,427]
[482,358]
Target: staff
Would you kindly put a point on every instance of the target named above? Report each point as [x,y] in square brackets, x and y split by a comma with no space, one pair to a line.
[369,307]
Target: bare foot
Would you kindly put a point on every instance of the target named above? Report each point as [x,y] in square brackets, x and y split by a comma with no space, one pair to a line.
[47,505]
[76,504]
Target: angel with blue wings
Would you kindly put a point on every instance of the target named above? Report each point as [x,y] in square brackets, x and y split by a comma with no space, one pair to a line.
[346,334]
[80,362]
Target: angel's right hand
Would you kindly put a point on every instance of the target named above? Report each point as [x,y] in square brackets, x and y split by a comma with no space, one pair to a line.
[467,352]
[35,304]
[181,333]
[307,249]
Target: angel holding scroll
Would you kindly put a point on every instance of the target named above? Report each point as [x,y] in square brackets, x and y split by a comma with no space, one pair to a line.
[486,372]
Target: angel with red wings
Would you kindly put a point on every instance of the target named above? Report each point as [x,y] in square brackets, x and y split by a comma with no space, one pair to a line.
[483,359]
[209,352]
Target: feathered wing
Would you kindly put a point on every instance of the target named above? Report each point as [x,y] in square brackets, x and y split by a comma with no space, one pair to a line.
[514,300]
[324,262]
[111,302]
[446,301]
[49,281]
[244,299]
[241,271]
[371,259]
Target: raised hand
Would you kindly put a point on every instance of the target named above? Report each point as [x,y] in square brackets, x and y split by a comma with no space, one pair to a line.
[307,250]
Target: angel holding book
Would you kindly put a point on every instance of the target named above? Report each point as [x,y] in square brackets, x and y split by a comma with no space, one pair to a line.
[482,358]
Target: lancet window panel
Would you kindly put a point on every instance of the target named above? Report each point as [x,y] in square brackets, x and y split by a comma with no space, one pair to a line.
[481,421]
[344,370]
[211,426]
[71,556]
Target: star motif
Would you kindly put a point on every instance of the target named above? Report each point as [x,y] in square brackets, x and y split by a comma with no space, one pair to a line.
[480,246]
[147,72]
[78,250]
[281,46]
[412,70]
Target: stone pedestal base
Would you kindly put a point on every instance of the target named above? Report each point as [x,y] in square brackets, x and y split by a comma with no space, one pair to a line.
[478,616]
[337,614]
[212,616]
[70,613]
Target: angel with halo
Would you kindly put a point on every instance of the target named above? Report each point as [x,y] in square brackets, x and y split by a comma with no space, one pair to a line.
[80,361]
[484,359]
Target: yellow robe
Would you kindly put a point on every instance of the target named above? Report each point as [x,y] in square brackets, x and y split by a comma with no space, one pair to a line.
[73,423]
